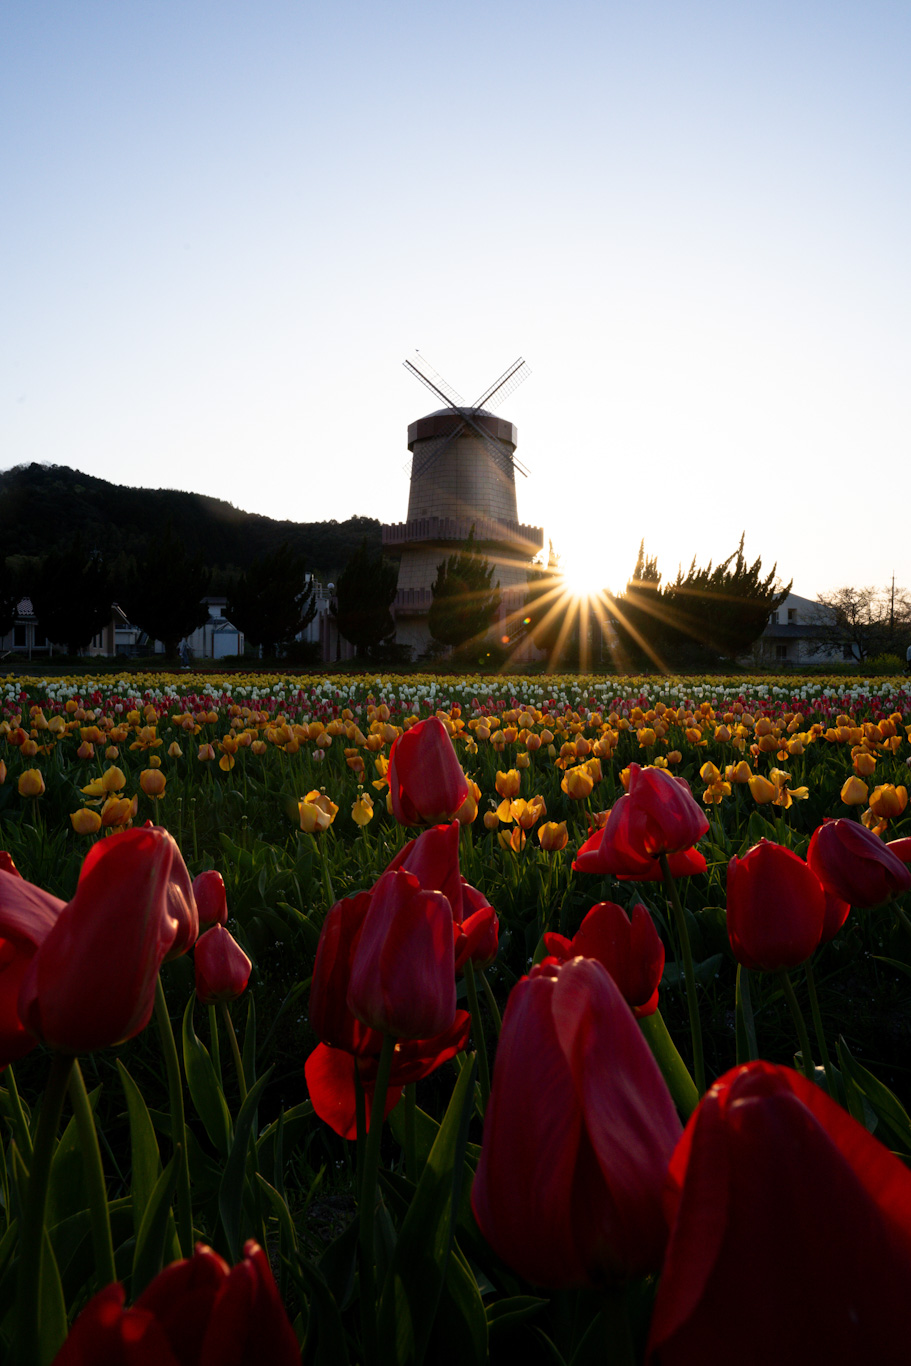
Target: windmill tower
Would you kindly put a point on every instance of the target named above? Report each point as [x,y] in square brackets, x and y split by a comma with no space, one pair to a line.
[463,475]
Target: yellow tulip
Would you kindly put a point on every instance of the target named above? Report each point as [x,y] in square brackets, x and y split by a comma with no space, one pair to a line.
[491,819]
[854,792]
[888,801]
[468,811]
[119,810]
[362,810]
[152,781]
[29,749]
[206,754]
[514,839]
[31,783]
[578,783]
[553,836]
[864,764]
[2,772]
[523,761]
[85,822]
[508,784]
[762,790]
[174,750]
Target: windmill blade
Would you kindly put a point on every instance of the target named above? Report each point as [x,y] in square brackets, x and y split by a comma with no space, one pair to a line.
[430,457]
[434,382]
[507,384]
[499,452]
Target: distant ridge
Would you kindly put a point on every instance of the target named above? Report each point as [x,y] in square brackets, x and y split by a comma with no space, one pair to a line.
[45,505]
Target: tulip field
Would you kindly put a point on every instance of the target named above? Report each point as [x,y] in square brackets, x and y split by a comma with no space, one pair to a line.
[454,1020]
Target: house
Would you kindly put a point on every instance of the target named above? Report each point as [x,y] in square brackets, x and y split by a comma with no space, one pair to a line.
[798,633]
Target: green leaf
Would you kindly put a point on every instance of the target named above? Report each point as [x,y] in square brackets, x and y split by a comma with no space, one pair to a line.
[704,972]
[249,1051]
[281,1211]
[144,1152]
[66,1189]
[148,1255]
[744,1024]
[325,1343]
[231,1190]
[412,1290]
[885,1104]
[506,1313]
[673,1069]
[53,1305]
[202,1081]
[459,1334]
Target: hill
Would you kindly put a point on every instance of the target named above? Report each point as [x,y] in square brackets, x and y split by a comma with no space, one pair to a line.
[45,505]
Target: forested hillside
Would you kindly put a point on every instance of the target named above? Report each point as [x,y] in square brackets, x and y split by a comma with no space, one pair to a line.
[42,506]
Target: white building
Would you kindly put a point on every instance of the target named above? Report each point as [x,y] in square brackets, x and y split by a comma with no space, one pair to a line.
[797,634]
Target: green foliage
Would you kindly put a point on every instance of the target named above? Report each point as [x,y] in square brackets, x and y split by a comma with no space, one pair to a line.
[702,614]
[126,521]
[71,595]
[9,596]
[464,602]
[165,595]
[274,601]
[364,593]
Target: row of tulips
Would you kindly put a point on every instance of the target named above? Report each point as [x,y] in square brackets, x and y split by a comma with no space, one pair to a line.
[584,1178]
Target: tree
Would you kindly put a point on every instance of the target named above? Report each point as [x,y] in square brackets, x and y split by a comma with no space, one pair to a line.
[872,621]
[9,596]
[700,615]
[364,593]
[543,602]
[464,603]
[164,595]
[71,595]
[274,601]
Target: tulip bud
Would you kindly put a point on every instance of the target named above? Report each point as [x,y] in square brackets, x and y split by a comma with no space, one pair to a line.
[888,801]
[775,908]
[854,792]
[86,821]
[222,968]
[31,783]
[553,836]
[211,898]
[152,781]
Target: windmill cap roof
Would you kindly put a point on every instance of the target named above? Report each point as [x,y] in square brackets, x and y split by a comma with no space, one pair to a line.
[444,421]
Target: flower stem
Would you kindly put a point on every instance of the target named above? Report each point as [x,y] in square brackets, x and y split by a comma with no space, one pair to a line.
[800,1025]
[491,1002]
[618,1335]
[99,1214]
[32,1239]
[688,973]
[178,1121]
[19,1121]
[820,1033]
[477,1029]
[367,1202]
[235,1050]
[213,1042]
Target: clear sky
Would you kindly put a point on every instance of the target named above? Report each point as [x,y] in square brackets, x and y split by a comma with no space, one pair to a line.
[225,225]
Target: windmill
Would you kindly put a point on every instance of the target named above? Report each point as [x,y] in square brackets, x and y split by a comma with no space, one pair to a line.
[463,471]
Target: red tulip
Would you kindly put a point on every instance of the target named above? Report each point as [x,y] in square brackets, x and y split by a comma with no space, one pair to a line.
[433,858]
[350,1048]
[791,1236]
[222,968]
[577,1136]
[776,908]
[27,916]
[182,908]
[615,857]
[426,782]
[211,899]
[836,914]
[197,1312]
[631,950]
[7,865]
[91,982]
[478,935]
[900,848]
[403,972]
[855,865]
[664,816]
[331,1074]
[330,1018]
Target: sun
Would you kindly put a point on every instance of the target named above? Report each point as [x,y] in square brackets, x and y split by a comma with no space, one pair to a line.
[584,572]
